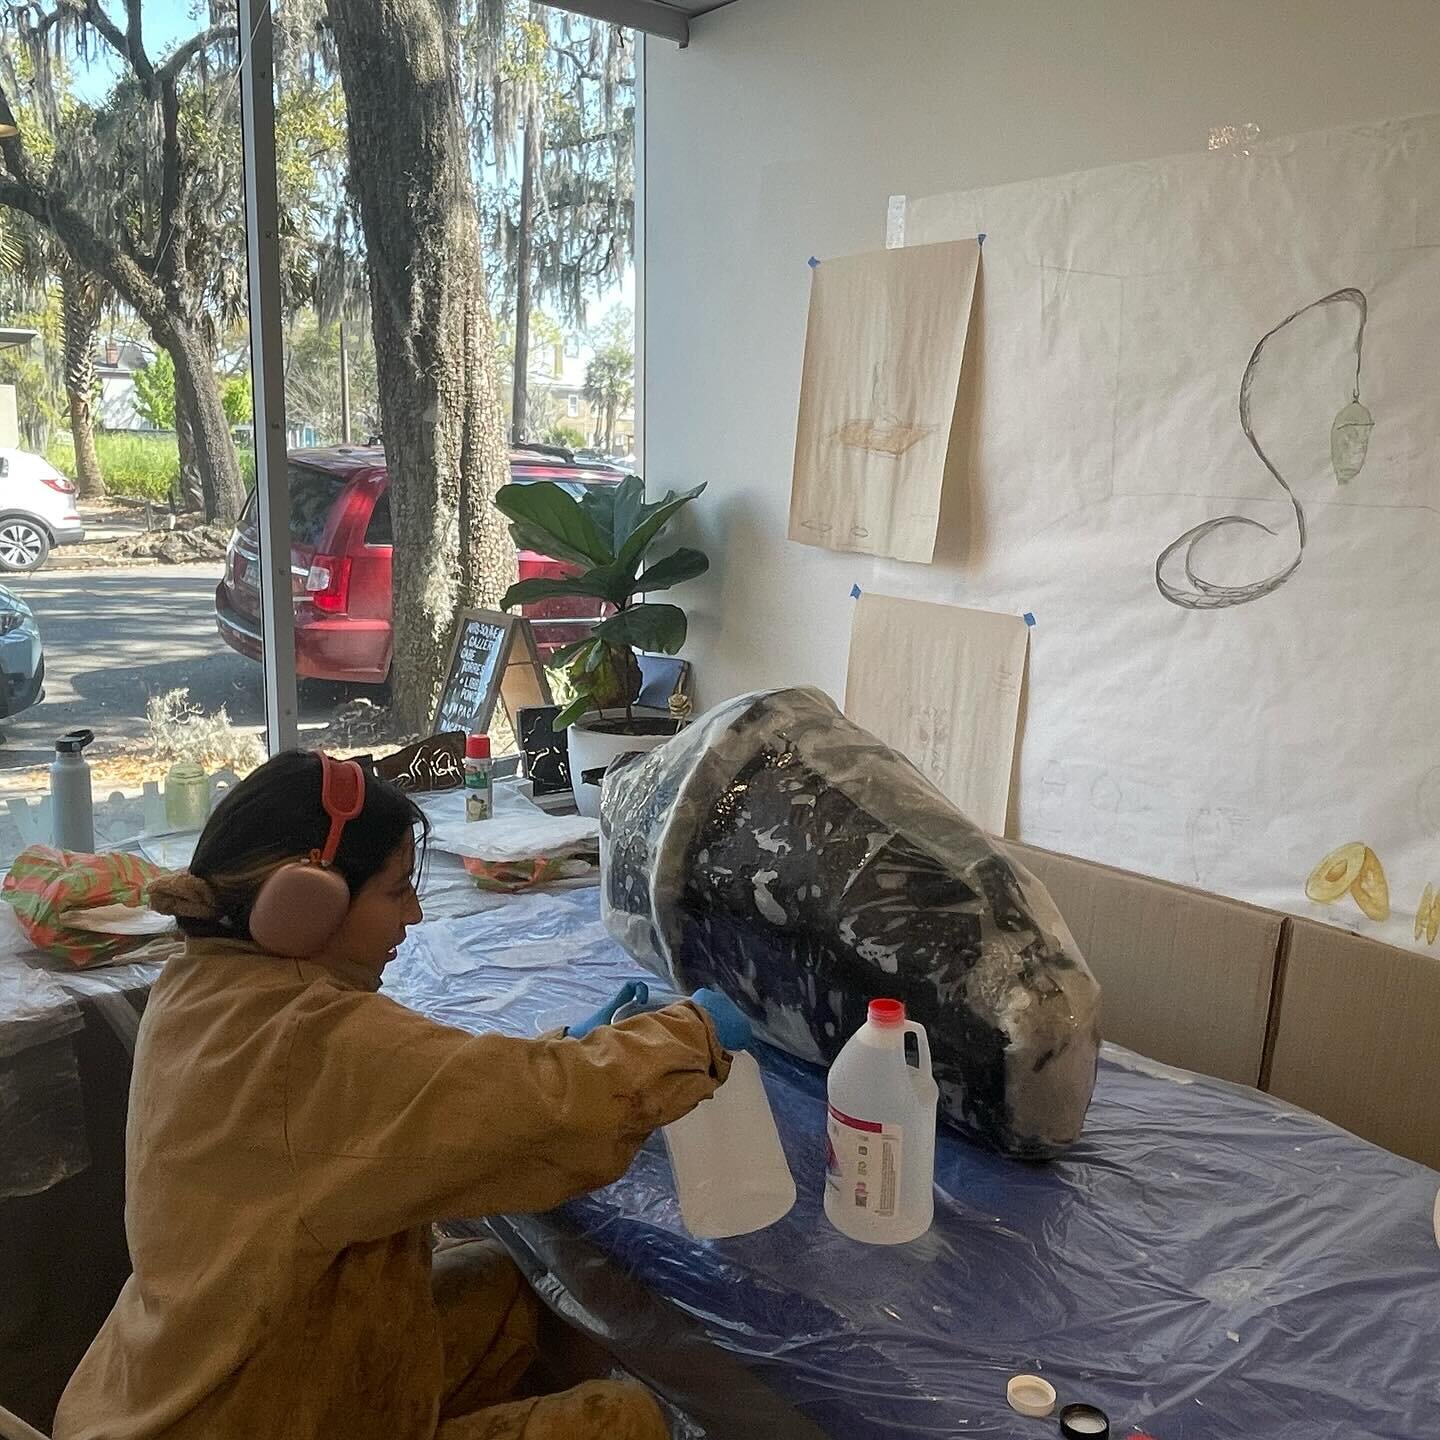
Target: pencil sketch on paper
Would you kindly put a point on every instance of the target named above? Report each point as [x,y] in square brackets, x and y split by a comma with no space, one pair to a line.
[1176,575]
[883,433]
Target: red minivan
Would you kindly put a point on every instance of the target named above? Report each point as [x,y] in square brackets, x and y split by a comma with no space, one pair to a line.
[340,563]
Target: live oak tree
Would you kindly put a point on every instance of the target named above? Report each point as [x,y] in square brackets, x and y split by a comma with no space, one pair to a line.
[72,179]
[553,102]
[434,344]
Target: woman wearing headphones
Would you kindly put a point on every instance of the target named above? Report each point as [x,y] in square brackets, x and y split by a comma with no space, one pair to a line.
[293,1135]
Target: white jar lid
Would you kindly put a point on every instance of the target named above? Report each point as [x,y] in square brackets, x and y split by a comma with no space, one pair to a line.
[1030,1395]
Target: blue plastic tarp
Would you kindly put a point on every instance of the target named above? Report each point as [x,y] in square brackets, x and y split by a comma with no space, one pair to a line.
[1205,1262]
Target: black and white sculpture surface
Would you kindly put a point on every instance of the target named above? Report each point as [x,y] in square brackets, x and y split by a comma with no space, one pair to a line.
[779,853]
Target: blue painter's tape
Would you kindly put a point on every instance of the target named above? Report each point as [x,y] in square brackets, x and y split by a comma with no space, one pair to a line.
[980,239]
[1029,618]
[854,592]
[813,263]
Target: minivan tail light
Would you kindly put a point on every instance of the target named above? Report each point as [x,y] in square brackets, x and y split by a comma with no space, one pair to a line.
[328,583]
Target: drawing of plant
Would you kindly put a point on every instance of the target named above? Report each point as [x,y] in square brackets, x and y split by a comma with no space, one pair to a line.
[1176,577]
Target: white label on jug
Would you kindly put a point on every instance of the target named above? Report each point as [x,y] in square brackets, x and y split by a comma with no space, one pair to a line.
[862,1163]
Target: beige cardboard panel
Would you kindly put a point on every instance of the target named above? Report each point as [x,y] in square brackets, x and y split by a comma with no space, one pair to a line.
[1357,1038]
[883,352]
[1185,977]
[941,684]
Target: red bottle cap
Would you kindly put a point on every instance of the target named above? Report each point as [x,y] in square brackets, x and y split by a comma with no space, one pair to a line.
[477,747]
[887,1013]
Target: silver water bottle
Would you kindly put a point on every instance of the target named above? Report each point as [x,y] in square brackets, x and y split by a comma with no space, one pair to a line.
[72,809]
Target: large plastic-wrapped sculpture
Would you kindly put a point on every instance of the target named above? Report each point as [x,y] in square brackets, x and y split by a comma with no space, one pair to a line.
[787,857]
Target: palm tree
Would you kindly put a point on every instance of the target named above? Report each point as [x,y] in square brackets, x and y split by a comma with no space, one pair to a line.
[610,384]
[82,296]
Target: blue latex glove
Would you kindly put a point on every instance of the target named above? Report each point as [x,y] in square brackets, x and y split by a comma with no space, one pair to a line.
[732,1029]
[632,992]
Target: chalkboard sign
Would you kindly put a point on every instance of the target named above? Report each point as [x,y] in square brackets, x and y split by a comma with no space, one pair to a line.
[493,658]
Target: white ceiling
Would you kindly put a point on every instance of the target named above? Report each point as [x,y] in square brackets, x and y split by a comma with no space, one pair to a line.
[670,18]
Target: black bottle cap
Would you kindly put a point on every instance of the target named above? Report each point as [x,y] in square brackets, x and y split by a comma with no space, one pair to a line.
[74,741]
[1084,1422]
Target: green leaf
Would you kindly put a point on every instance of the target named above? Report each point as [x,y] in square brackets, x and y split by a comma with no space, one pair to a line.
[571,713]
[598,502]
[527,592]
[566,653]
[646,627]
[672,570]
[549,520]
[655,518]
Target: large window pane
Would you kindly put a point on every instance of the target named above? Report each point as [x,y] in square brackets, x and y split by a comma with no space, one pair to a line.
[126,410]
[548,111]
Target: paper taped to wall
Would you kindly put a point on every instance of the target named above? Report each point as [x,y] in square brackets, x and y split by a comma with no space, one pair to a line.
[941,685]
[883,351]
[1205,451]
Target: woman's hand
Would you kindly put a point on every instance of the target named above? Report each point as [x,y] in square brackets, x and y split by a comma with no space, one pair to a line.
[633,993]
[732,1029]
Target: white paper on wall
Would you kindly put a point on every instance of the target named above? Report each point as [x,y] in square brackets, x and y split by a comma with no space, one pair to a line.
[942,685]
[1207,458]
[883,352]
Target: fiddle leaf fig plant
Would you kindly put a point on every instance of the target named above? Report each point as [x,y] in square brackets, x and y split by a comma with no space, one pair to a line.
[608,533]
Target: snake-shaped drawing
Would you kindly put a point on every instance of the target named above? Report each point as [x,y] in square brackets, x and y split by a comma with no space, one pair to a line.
[1349,440]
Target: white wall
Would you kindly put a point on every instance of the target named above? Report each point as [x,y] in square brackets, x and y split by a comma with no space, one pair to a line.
[782,130]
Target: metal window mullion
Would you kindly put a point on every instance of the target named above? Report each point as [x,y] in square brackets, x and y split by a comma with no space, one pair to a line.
[641,211]
[267,370]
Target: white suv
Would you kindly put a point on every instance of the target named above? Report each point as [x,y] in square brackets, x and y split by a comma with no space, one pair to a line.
[37,511]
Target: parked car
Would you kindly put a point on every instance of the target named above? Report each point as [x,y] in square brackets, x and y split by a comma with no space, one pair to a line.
[22,657]
[37,511]
[340,563]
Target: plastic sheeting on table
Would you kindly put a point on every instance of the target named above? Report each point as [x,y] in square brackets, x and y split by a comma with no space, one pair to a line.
[42,1117]
[1206,1262]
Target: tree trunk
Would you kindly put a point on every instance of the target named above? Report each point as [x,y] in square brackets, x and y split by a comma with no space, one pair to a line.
[197,396]
[434,344]
[191,489]
[194,376]
[80,308]
[524,243]
[344,387]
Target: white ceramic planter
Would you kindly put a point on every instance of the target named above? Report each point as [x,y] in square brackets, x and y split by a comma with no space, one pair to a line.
[593,744]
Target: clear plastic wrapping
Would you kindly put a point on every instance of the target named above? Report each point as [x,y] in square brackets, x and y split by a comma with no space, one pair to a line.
[781,854]
[42,1117]
[1205,1263]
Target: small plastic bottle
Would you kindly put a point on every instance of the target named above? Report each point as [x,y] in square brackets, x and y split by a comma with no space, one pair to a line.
[880,1132]
[479,801]
[72,808]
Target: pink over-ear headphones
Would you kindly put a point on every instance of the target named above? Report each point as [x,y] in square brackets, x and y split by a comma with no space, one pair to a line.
[303,903]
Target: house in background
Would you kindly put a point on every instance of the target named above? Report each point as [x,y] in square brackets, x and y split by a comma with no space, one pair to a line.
[557,381]
[11,338]
[116,365]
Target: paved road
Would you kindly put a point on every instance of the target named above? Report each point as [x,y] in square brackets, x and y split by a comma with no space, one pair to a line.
[113,638]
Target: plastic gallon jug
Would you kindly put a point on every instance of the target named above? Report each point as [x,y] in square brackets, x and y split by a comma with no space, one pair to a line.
[730,1170]
[880,1132]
